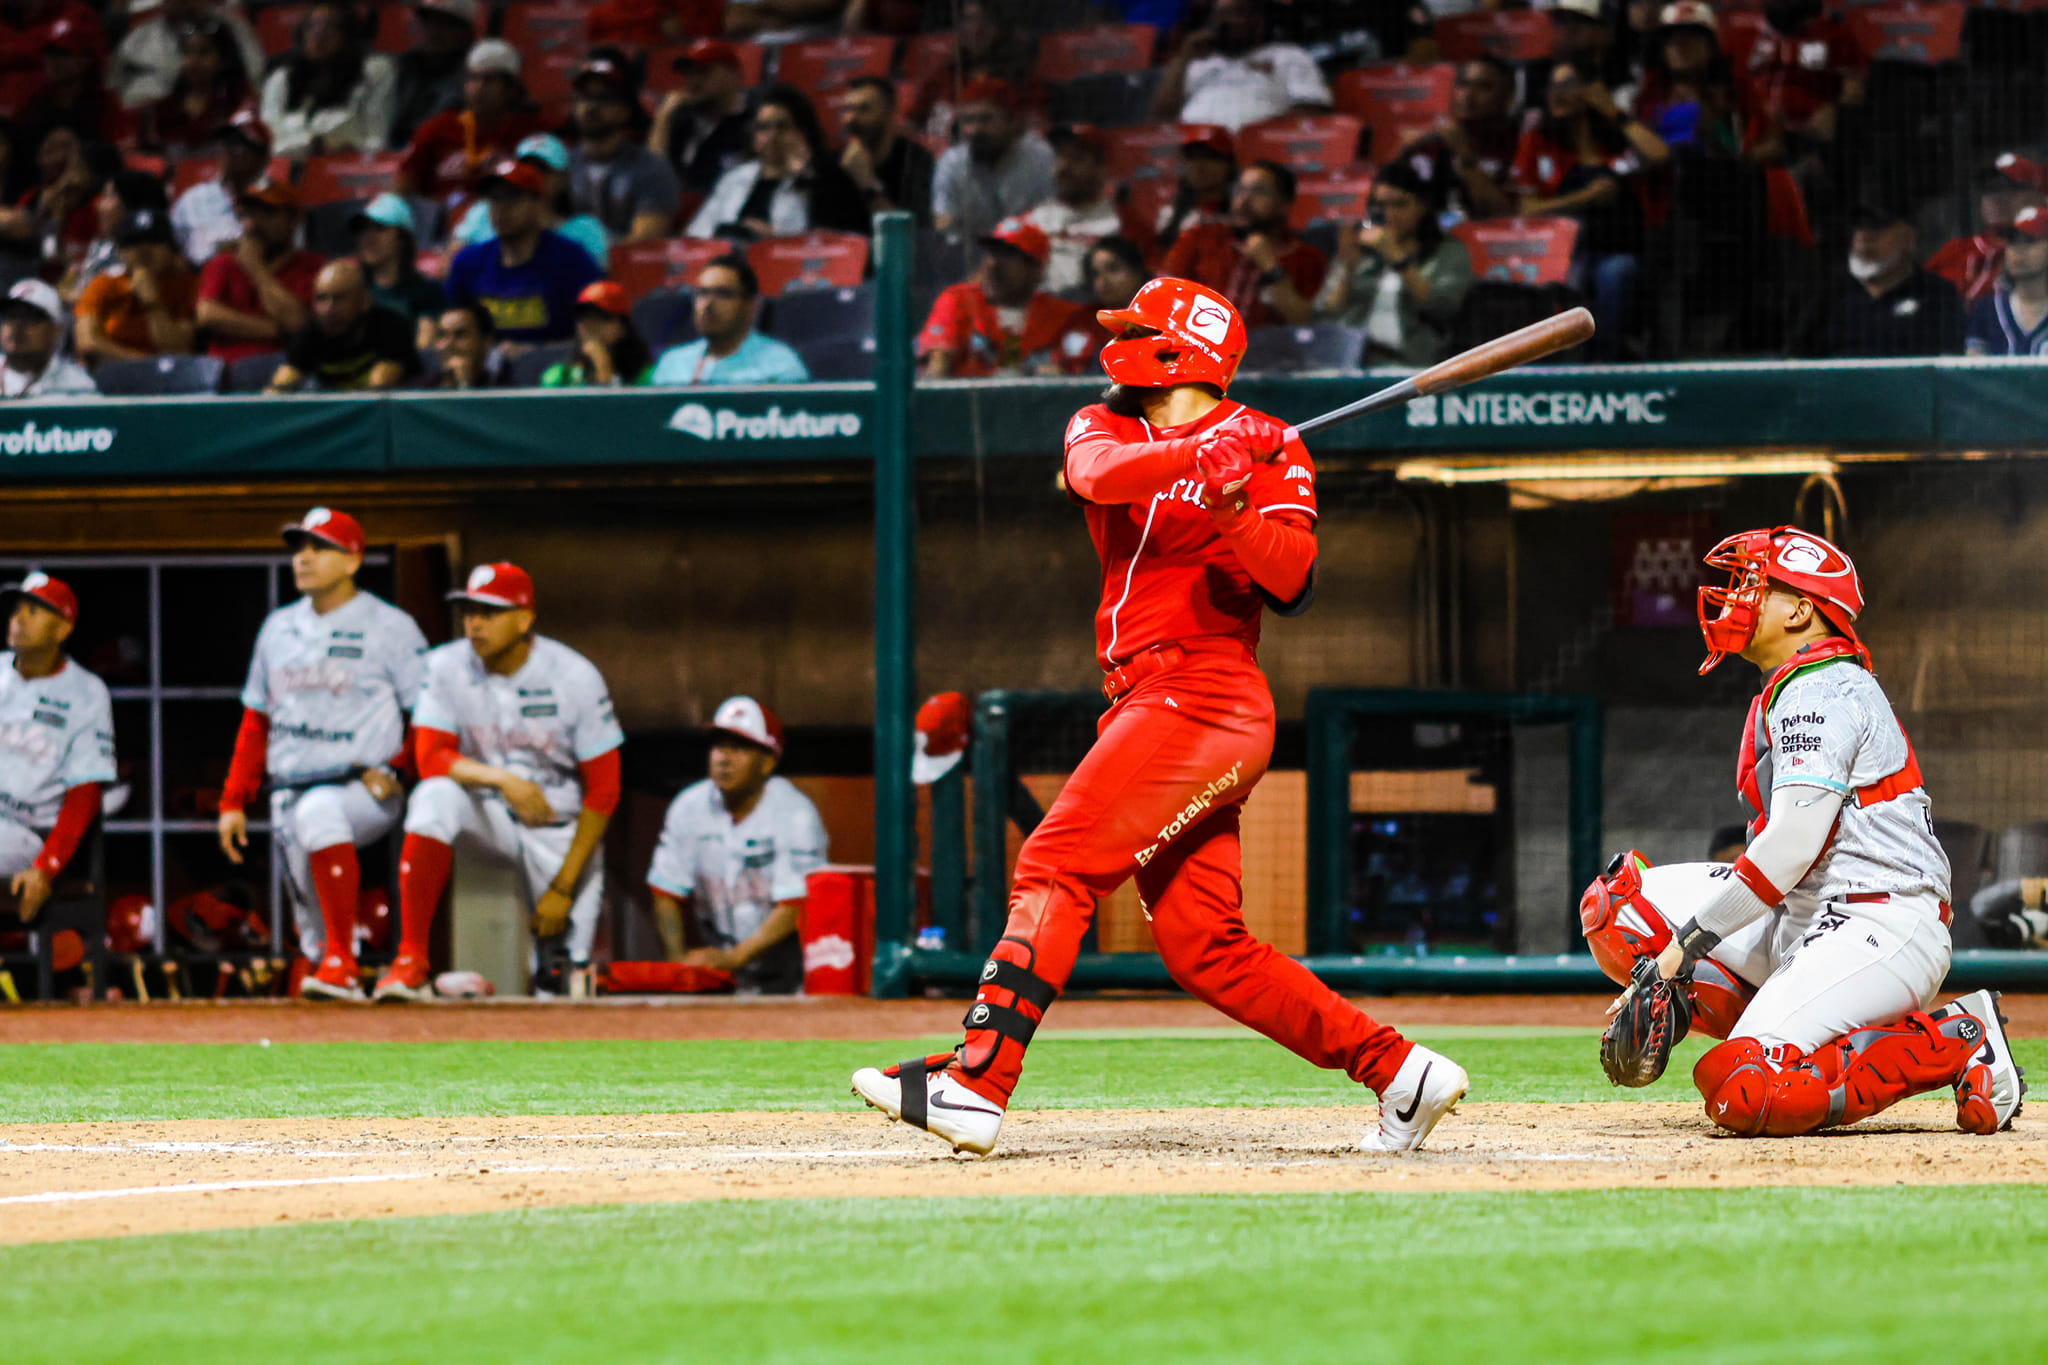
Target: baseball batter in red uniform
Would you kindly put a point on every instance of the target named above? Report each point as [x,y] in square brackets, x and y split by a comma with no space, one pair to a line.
[1203,514]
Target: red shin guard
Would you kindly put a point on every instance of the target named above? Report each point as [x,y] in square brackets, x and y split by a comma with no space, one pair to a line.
[1777,1092]
[336,879]
[422,877]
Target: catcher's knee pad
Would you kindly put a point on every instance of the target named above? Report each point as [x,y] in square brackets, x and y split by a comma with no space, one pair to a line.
[1719,997]
[1007,1008]
[1618,921]
[1755,1091]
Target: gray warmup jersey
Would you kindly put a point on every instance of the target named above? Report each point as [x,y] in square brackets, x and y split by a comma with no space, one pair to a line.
[735,875]
[539,723]
[56,733]
[335,687]
[1833,728]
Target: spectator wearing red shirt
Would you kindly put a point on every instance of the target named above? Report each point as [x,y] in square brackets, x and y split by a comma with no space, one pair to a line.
[452,150]
[25,30]
[1269,275]
[1578,159]
[1803,66]
[1972,263]
[1201,193]
[1000,322]
[1116,270]
[1471,151]
[257,291]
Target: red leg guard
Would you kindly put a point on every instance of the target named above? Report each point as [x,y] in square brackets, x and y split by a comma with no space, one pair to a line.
[1719,997]
[336,877]
[422,877]
[1776,1092]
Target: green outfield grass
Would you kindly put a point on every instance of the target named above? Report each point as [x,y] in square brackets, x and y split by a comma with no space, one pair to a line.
[61,1083]
[1693,1276]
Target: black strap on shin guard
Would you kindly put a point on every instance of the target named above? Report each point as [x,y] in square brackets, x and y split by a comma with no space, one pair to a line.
[1034,990]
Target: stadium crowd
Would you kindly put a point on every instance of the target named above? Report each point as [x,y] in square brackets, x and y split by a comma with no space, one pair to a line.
[195,197]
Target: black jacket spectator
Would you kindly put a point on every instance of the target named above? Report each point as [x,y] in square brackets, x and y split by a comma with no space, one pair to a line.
[794,183]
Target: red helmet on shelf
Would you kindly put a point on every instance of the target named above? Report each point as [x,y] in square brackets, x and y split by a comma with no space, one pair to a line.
[131,925]
[1191,335]
[1808,565]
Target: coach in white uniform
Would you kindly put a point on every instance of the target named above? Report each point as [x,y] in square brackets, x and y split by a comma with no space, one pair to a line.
[519,758]
[738,847]
[56,740]
[331,680]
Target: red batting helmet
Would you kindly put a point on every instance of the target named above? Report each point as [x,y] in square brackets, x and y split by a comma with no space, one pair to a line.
[1789,557]
[131,924]
[1185,333]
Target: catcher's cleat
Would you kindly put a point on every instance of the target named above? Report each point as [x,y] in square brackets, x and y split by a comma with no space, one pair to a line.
[1428,1086]
[406,979]
[1988,1102]
[923,1094]
[337,979]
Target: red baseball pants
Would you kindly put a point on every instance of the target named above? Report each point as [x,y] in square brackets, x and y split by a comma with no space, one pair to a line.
[1159,797]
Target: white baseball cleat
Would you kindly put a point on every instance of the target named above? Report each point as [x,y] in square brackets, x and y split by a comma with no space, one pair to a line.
[1428,1086]
[2007,1082]
[935,1102]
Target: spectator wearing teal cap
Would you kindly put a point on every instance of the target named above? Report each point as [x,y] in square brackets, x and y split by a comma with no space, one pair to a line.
[545,153]
[387,243]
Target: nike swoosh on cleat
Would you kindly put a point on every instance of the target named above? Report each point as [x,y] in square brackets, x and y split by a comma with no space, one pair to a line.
[1403,1116]
[939,1102]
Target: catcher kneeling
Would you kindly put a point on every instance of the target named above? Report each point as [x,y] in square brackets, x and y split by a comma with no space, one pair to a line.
[1816,954]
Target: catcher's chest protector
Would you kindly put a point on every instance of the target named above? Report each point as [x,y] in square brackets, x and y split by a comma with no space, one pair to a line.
[1753,766]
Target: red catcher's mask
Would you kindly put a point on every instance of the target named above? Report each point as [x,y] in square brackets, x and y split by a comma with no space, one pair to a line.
[1808,565]
[1192,336]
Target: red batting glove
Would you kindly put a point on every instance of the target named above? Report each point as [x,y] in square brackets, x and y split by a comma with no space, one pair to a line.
[1225,462]
[1262,434]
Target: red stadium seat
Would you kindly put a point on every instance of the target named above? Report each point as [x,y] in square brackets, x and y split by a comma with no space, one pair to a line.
[663,77]
[815,260]
[277,27]
[1511,35]
[1396,96]
[1309,144]
[1922,35]
[398,28]
[1519,250]
[550,78]
[365,175]
[1337,198]
[193,170]
[537,27]
[1093,51]
[666,263]
[1145,152]
[925,56]
[829,63]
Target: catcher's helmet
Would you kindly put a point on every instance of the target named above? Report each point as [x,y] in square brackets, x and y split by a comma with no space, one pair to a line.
[1792,558]
[1174,332]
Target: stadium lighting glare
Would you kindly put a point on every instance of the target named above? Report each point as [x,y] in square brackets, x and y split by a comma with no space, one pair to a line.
[1612,469]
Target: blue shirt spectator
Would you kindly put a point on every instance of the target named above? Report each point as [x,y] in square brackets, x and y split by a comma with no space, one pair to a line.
[2013,318]
[728,350]
[527,277]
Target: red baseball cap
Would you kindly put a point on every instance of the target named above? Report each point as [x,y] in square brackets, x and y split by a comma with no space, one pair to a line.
[329,527]
[276,194]
[606,295]
[2022,170]
[707,52]
[496,585]
[2031,221]
[53,593]
[1211,136]
[989,90]
[941,737]
[1021,236]
[66,36]
[747,719]
[518,174]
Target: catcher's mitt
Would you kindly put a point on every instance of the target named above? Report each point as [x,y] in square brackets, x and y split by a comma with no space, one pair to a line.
[1655,1014]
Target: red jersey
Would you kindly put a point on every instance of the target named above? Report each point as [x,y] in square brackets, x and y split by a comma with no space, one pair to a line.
[224,281]
[1971,264]
[449,153]
[1793,77]
[973,331]
[1167,572]
[1209,253]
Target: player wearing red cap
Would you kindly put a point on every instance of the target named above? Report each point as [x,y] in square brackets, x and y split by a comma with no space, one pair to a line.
[1203,514]
[1817,953]
[519,760]
[331,680]
[56,740]
[1000,322]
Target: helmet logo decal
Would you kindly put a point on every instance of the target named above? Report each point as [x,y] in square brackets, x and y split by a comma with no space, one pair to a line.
[1801,555]
[1209,321]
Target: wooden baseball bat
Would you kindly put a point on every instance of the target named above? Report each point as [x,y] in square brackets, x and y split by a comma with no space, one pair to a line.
[1530,343]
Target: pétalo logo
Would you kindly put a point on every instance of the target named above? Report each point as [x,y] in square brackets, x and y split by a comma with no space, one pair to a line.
[1568,408]
[723,424]
[29,439]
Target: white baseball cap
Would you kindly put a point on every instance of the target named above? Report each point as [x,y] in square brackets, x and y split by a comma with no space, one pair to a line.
[40,297]
[748,720]
[494,54]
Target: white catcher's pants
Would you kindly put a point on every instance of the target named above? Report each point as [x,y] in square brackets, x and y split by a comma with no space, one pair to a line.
[480,821]
[1821,971]
[306,821]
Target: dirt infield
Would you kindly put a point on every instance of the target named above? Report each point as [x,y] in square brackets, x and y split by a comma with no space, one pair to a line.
[62,1181]
[683,1018]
